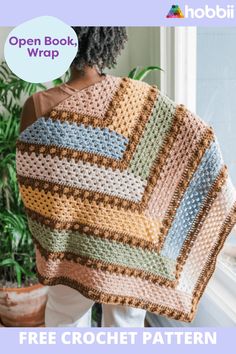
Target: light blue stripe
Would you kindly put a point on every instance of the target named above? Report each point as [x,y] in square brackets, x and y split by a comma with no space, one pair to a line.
[191,203]
[78,137]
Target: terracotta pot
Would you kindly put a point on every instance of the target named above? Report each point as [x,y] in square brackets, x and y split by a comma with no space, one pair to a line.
[23,307]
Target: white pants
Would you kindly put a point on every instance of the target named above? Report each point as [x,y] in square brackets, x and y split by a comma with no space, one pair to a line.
[66,307]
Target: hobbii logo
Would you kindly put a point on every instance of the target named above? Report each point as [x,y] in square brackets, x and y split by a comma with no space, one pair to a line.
[202,12]
[210,12]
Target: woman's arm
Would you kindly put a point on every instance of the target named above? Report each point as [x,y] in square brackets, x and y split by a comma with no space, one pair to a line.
[28,115]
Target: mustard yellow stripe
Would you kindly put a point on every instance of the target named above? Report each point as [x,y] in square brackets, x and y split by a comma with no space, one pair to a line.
[89,213]
[128,110]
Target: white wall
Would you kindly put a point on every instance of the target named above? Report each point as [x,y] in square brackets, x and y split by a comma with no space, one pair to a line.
[4,31]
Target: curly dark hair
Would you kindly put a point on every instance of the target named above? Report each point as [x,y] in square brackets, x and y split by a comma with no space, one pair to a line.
[99,46]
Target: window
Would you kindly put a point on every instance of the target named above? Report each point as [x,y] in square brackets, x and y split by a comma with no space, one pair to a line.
[216,102]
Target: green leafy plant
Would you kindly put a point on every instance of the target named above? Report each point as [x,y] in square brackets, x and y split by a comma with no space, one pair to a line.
[17,257]
[139,73]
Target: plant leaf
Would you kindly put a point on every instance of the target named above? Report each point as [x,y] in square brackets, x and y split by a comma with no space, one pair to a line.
[145,71]
[132,74]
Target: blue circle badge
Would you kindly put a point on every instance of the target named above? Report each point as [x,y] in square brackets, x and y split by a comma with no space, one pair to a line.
[41,50]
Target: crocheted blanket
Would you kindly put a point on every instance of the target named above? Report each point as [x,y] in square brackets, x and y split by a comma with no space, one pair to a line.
[127,197]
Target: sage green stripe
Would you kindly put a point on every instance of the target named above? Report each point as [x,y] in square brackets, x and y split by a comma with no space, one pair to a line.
[102,249]
[153,137]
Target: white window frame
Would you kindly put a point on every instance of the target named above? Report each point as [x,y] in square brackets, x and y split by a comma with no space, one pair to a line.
[178,59]
[177,55]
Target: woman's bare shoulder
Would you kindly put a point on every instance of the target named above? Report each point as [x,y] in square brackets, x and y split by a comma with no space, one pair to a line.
[39,104]
[28,115]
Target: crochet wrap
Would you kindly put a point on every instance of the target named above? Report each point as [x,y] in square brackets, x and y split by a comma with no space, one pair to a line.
[127,197]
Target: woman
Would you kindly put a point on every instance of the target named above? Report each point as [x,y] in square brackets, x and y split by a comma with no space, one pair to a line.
[126,193]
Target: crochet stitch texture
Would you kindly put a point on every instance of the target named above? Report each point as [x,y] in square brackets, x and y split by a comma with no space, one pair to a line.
[127,197]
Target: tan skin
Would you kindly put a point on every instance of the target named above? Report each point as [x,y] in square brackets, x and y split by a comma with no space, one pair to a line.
[78,80]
